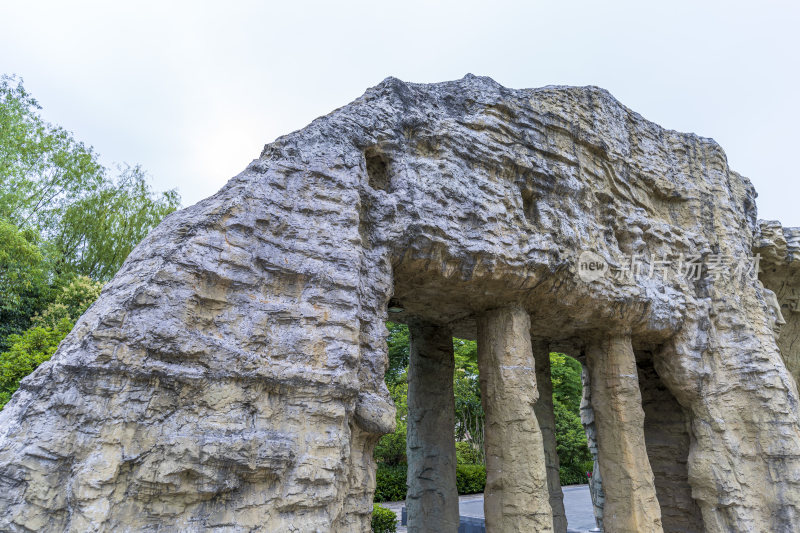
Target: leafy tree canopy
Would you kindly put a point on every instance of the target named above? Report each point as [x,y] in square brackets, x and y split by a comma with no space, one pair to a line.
[89,220]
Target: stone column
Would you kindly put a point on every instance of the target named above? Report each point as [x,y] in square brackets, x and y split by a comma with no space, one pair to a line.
[547,424]
[432,498]
[631,505]
[587,419]
[516,499]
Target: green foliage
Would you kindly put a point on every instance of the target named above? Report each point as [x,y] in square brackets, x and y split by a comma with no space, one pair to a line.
[565,373]
[398,349]
[391,448]
[571,445]
[383,520]
[390,483]
[62,216]
[88,220]
[24,286]
[37,344]
[467,454]
[99,230]
[43,168]
[70,302]
[27,352]
[470,479]
[469,427]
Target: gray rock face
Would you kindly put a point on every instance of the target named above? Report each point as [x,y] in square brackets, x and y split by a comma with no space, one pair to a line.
[779,248]
[230,377]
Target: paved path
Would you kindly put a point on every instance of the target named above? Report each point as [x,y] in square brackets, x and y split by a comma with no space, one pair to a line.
[577,503]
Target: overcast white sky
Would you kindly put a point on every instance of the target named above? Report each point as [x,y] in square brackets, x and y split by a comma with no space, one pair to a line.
[193,90]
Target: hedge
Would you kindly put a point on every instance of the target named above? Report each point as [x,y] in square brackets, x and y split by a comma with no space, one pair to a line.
[470,479]
[572,475]
[391,481]
[383,520]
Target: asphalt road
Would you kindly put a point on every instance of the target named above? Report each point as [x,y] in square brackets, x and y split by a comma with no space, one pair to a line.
[577,504]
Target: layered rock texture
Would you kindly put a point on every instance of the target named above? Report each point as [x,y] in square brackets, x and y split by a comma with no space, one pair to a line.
[779,249]
[230,377]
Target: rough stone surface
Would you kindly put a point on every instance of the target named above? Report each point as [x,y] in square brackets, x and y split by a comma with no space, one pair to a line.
[230,377]
[667,439]
[432,497]
[547,424]
[780,273]
[589,427]
[516,498]
[631,505]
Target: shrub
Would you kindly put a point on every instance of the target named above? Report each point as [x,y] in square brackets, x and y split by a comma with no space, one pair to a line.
[470,479]
[391,449]
[383,520]
[466,454]
[391,483]
[27,352]
[38,343]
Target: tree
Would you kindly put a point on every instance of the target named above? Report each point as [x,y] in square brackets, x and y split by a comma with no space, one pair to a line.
[42,167]
[468,407]
[565,373]
[571,444]
[99,230]
[88,220]
[64,218]
[24,283]
[398,345]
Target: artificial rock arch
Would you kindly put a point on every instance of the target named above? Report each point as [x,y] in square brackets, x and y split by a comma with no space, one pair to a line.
[230,377]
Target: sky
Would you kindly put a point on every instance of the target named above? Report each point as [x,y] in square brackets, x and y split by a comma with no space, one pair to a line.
[192,91]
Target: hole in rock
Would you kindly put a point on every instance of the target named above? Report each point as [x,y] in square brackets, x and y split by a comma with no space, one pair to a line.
[377,169]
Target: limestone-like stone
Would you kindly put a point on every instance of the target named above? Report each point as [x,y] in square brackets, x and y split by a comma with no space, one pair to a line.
[780,273]
[631,505]
[230,376]
[667,439]
[589,427]
[547,424]
[432,498]
[516,498]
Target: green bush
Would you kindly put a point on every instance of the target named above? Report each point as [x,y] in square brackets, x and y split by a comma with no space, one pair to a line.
[383,520]
[466,454]
[27,352]
[572,475]
[38,343]
[470,479]
[391,483]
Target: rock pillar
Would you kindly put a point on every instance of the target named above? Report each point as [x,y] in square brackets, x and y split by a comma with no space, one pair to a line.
[596,480]
[547,424]
[516,499]
[432,498]
[631,505]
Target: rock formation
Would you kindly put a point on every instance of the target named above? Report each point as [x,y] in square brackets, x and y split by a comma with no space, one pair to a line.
[230,377]
[779,249]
